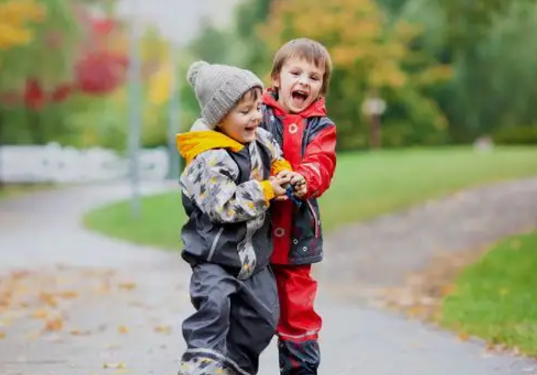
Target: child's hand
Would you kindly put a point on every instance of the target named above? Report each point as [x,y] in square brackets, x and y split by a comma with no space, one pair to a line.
[300,187]
[285,175]
[278,184]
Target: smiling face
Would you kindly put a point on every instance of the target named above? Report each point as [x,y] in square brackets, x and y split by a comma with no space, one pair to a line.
[299,83]
[242,121]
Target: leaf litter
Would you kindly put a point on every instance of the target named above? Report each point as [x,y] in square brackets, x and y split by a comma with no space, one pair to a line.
[47,296]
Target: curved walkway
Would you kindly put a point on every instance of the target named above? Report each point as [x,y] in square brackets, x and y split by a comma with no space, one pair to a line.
[383,252]
[94,305]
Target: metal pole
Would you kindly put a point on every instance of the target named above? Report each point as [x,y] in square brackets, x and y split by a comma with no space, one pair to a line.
[135,108]
[1,146]
[375,131]
[174,116]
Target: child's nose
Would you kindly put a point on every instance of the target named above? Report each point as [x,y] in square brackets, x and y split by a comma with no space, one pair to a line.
[257,116]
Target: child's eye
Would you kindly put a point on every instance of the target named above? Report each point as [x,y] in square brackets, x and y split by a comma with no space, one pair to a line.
[315,78]
[295,73]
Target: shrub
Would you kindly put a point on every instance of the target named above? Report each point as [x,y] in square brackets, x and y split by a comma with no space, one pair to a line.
[516,135]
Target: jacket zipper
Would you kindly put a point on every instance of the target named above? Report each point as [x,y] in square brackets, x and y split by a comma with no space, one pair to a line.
[215,243]
[315,219]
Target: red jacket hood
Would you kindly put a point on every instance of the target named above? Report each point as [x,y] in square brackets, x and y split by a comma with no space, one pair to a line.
[317,108]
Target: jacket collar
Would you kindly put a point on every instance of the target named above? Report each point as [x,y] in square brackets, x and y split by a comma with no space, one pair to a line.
[202,138]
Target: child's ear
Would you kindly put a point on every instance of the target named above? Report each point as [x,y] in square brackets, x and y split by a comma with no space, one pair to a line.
[275,81]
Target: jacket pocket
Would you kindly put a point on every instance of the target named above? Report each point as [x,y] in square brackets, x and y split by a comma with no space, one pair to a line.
[315,216]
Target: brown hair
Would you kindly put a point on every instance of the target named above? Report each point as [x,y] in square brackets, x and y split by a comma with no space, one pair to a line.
[253,94]
[308,49]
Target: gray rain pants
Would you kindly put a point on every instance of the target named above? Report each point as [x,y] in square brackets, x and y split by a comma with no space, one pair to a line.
[234,321]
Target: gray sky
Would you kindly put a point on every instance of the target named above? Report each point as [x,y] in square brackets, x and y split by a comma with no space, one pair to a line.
[179,20]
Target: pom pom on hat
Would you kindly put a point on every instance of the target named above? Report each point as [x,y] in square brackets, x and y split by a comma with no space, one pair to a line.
[194,70]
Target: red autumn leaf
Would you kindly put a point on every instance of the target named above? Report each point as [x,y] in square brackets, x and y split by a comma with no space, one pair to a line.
[34,97]
[103,26]
[100,72]
[61,93]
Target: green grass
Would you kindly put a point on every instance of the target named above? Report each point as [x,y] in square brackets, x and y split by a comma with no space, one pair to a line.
[496,298]
[11,190]
[365,185]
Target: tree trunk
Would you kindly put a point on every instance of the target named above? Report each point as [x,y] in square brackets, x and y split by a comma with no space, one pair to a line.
[375,135]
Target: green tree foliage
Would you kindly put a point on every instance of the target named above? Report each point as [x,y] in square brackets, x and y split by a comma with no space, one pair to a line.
[49,54]
[450,71]
[494,62]
[371,56]
[249,14]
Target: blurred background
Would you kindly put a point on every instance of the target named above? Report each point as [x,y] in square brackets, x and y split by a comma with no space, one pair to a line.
[89,74]
[429,97]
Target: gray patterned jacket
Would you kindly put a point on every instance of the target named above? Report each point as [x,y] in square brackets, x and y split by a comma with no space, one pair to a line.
[226,194]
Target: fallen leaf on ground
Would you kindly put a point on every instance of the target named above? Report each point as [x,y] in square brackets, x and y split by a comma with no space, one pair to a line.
[33,335]
[68,294]
[123,329]
[119,365]
[48,298]
[103,289]
[127,286]
[77,332]
[40,314]
[463,336]
[5,299]
[447,290]
[2,335]
[415,311]
[163,329]
[20,274]
[421,295]
[54,324]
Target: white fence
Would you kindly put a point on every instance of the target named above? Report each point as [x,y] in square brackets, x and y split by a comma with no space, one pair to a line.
[54,163]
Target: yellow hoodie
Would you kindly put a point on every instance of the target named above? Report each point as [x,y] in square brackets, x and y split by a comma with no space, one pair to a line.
[201,138]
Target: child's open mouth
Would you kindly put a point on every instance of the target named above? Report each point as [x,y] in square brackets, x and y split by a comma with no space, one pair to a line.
[299,97]
[250,128]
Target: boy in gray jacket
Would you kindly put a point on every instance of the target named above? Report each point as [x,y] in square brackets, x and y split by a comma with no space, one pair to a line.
[228,185]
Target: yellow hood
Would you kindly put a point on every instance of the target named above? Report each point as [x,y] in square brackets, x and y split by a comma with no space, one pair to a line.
[203,139]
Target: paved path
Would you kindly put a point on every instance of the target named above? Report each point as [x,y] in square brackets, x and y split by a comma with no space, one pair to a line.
[382,252]
[115,308]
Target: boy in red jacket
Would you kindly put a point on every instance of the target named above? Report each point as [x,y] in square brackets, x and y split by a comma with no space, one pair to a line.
[294,112]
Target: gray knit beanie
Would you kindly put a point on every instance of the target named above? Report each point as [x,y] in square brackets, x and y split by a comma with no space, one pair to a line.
[219,87]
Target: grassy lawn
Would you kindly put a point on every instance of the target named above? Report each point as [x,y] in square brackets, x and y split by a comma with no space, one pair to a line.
[365,185]
[495,298]
[10,190]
